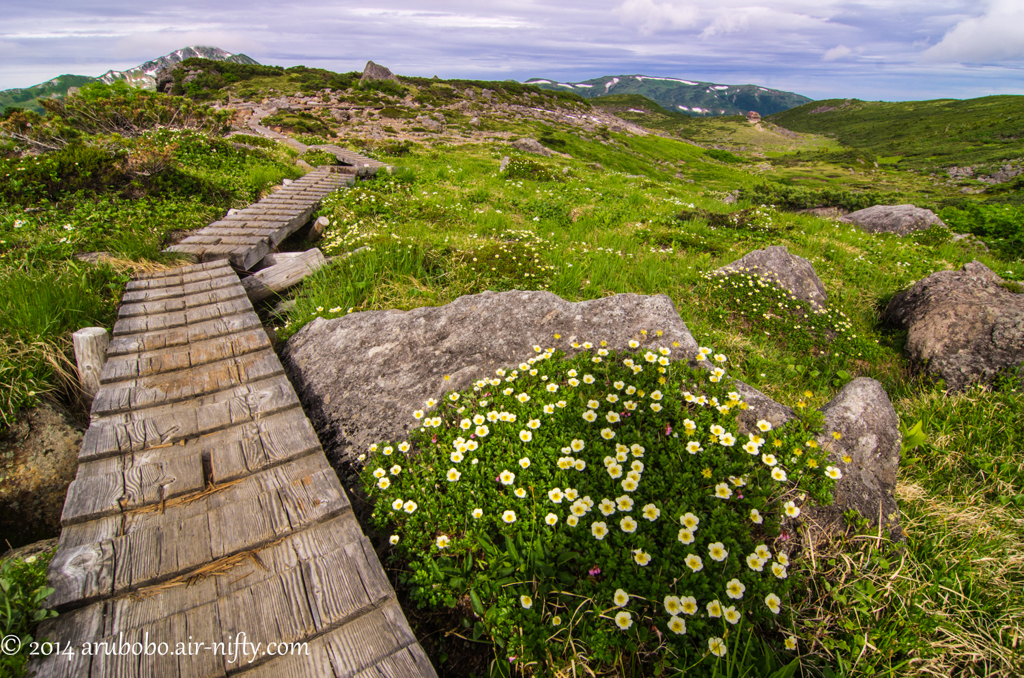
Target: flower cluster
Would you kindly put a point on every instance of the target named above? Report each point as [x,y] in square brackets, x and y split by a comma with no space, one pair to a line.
[611,463]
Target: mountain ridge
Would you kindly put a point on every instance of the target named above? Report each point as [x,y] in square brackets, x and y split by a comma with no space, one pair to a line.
[690,97]
[143,75]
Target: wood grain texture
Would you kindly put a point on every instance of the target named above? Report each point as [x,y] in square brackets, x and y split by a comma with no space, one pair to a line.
[204,509]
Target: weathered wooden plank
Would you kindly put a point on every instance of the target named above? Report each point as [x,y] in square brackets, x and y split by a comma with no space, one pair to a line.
[270,611]
[184,289]
[245,516]
[251,447]
[274,279]
[164,425]
[159,389]
[247,230]
[409,662]
[81,574]
[189,316]
[362,643]
[189,272]
[179,336]
[122,367]
[92,496]
[171,304]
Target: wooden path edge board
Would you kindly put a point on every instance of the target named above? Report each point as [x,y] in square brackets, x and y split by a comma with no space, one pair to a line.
[224,545]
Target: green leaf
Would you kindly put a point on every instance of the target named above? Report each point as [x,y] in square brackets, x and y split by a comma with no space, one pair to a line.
[478,607]
[912,437]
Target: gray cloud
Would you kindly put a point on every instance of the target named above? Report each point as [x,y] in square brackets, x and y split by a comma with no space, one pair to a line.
[822,48]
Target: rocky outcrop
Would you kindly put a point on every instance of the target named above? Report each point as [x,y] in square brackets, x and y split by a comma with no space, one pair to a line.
[776,265]
[898,219]
[360,377]
[38,460]
[374,72]
[964,326]
[527,145]
[861,426]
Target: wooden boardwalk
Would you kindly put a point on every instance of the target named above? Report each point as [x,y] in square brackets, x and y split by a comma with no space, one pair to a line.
[360,164]
[245,237]
[204,514]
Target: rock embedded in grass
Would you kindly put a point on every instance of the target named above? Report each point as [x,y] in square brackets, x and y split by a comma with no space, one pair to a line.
[787,271]
[527,145]
[361,376]
[964,326]
[899,219]
[868,435]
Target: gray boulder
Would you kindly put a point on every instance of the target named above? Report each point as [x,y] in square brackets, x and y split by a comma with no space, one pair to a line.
[776,265]
[374,71]
[429,123]
[527,145]
[898,219]
[361,376]
[868,426]
[963,326]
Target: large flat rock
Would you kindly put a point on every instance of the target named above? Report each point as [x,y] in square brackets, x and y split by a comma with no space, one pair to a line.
[360,377]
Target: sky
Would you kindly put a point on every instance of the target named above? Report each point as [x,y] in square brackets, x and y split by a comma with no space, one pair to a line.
[891,50]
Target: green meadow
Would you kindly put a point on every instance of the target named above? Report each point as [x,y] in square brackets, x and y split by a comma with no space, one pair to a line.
[609,213]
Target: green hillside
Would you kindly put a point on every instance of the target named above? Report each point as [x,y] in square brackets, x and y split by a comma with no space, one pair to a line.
[685,96]
[615,209]
[920,135]
[28,97]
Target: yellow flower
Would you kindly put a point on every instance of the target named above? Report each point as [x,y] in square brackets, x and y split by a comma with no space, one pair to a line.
[641,557]
[714,609]
[442,542]
[623,620]
[717,647]
[599,530]
[509,517]
[526,437]
[526,602]
[520,492]
[689,604]
[685,536]
[773,602]
[621,598]
[706,473]
[551,519]
[628,525]
[478,513]
[453,475]
[717,551]
[607,433]
[677,626]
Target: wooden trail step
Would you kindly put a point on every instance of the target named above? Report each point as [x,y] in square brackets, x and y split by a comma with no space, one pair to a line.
[204,510]
[245,237]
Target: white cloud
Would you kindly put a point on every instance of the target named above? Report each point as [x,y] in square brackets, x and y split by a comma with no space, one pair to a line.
[148,45]
[653,17]
[837,52]
[441,19]
[996,35]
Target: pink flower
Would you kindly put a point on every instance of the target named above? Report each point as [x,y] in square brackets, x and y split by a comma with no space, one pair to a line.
[594,571]
[668,429]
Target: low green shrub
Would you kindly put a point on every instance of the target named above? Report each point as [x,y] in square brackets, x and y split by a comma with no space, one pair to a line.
[495,499]
[724,156]
[22,592]
[796,197]
[1000,226]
